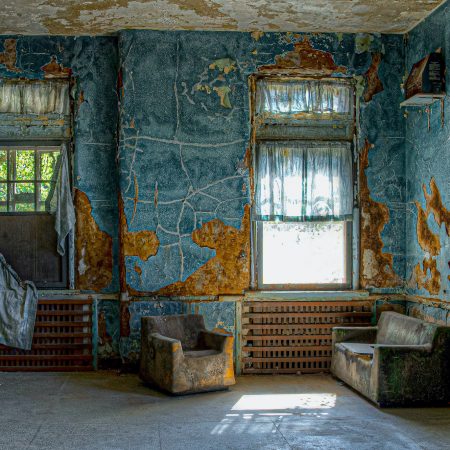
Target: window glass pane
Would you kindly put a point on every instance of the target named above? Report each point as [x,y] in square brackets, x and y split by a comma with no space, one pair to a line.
[22,197]
[25,165]
[303,253]
[3,164]
[44,189]
[3,192]
[47,162]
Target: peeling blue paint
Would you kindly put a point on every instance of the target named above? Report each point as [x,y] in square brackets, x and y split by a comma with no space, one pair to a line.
[94,65]
[427,153]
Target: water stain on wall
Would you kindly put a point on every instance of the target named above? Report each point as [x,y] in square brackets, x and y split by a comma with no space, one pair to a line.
[142,244]
[305,59]
[53,69]
[376,266]
[226,273]
[94,259]
[432,284]
[429,241]
[8,56]
[373,82]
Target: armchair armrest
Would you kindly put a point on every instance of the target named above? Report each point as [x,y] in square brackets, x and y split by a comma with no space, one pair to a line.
[160,342]
[354,334]
[214,340]
[406,373]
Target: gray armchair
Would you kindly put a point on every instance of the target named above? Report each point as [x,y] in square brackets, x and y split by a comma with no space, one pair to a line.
[180,356]
[402,361]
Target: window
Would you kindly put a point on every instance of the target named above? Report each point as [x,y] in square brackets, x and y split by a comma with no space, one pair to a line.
[303,205]
[27,177]
[36,209]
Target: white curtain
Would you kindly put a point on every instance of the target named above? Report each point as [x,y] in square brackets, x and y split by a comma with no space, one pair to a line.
[275,99]
[34,97]
[303,181]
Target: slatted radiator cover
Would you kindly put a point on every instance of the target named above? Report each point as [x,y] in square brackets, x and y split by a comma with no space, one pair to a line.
[62,339]
[295,336]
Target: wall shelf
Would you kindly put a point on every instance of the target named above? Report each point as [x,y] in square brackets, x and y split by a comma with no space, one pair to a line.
[423,99]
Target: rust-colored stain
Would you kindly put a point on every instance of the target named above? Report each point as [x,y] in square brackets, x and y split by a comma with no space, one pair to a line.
[80,99]
[305,59]
[142,244]
[229,271]
[428,241]
[125,319]
[55,70]
[431,284]
[373,82]
[203,8]
[435,206]
[376,266]
[103,335]
[248,163]
[93,248]
[9,56]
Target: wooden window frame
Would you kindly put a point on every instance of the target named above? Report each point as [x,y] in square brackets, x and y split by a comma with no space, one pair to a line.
[256,244]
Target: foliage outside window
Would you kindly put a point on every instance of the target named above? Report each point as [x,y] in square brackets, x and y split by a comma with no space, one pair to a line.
[27,177]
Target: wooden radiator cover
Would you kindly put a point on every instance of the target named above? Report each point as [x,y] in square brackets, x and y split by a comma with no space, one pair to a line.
[295,336]
[62,339]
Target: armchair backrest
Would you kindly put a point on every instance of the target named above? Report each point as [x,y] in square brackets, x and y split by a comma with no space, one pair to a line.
[398,329]
[183,327]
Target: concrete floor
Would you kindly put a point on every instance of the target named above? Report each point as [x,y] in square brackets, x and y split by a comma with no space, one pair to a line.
[106,411]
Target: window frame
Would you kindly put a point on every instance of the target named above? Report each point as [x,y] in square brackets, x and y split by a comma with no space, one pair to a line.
[31,144]
[256,226]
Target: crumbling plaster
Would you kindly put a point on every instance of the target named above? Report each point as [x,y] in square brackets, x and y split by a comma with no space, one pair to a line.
[427,168]
[74,17]
[183,156]
[183,149]
[92,62]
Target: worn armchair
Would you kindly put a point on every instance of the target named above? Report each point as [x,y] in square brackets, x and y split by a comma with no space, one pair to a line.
[402,361]
[180,356]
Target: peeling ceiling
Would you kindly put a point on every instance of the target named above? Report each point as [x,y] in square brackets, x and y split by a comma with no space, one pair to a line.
[78,17]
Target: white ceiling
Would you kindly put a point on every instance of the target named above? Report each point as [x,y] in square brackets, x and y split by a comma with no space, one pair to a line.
[75,17]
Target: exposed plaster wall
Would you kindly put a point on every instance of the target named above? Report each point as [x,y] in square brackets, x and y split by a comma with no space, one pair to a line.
[93,64]
[183,167]
[184,162]
[427,169]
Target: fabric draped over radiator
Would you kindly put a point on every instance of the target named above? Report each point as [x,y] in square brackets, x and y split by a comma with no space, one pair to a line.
[18,305]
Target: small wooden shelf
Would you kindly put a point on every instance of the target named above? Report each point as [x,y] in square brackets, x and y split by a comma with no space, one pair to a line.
[423,99]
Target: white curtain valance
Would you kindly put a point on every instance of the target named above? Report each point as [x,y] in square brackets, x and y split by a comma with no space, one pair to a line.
[36,97]
[288,98]
[303,181]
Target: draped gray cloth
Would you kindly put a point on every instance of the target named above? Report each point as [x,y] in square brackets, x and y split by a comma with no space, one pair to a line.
[303,181]
[61,202]
[275,99]
[18,304]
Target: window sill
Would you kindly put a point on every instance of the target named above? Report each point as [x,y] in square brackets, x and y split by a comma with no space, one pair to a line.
[307,295]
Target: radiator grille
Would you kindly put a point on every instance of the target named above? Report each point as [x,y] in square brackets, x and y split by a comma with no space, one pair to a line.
[62,339]
[295,337]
